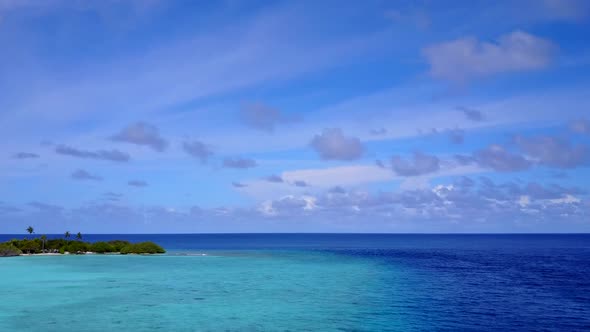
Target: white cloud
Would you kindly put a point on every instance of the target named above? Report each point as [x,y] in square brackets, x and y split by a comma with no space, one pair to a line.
[141,133]
[464,204]
[554,151]
[288,205]
[332,144]
[340,176]
[524,200]
[420,164]
[198,150]
[316,180]
[463,59]
[567,199]
[354,176]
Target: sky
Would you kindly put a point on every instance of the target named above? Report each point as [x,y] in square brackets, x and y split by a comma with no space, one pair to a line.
[294,116]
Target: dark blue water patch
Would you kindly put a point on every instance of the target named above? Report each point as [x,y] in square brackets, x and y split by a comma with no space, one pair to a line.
[483,289]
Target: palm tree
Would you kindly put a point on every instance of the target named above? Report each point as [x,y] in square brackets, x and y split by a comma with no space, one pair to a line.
[67,235]
[43,239]
[31,230]
[79,236]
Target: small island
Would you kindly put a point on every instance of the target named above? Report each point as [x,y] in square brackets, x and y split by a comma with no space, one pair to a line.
[44,246]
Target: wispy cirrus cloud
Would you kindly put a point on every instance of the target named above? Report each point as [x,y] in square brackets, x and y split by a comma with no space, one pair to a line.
[8,209]
[314,180]
[233,62]
[111,155]
[25,155]
[353,175]
[46,207]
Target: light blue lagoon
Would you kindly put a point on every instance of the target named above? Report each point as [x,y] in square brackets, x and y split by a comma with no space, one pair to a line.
[229,291]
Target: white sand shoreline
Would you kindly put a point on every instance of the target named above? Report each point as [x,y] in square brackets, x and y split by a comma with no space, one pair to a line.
[68,254]
[92,254]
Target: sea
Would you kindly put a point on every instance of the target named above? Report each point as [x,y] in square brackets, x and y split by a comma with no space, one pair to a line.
[306,282]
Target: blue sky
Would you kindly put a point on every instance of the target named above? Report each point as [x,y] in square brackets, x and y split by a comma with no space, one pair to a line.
[307,116]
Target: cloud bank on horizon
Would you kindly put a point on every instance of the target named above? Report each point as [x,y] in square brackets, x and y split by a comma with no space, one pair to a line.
[307,116]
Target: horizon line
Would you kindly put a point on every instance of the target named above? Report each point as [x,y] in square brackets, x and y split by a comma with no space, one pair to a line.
[322,233]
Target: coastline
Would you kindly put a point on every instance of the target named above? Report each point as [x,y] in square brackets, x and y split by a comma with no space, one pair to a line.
[90,254]
[49,247]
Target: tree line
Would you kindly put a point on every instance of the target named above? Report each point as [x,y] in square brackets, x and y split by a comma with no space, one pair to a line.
[64,245]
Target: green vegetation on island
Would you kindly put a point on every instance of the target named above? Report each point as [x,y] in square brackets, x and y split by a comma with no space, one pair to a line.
[142,248]
[7,249]
[43,245]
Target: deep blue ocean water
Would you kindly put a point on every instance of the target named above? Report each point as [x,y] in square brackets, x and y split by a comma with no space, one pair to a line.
[306,282]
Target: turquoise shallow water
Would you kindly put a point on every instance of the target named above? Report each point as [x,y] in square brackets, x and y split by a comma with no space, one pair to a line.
[307,282]
[240,291]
